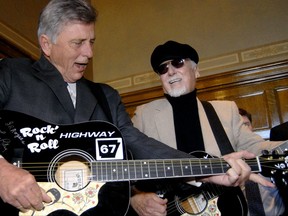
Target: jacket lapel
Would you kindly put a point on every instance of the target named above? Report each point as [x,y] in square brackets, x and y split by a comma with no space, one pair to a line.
[85,103]
[46,72]
[165,124]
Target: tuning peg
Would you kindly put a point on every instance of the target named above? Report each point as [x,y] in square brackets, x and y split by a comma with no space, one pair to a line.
[285,173]
[284,181]
[265,152]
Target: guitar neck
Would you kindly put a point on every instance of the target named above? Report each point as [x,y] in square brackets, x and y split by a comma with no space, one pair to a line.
[167,168]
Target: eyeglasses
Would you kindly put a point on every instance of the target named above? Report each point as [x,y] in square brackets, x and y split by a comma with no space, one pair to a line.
[176,63]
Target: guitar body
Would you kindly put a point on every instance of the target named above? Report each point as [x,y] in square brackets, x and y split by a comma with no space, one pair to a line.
[60,158]
[207,200]
[210,199]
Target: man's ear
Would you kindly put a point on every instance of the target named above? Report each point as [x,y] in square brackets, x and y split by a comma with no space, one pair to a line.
[45,44]
[197,73]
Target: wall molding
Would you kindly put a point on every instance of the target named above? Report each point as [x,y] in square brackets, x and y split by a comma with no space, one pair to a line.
[19,41]
[225,62]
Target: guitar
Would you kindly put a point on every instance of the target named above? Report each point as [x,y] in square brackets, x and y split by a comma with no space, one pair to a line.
[83,166]
[212,199]
[208,199]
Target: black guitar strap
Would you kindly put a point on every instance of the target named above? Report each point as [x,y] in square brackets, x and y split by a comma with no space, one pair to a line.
[101,98]
[252,190]
[217,128]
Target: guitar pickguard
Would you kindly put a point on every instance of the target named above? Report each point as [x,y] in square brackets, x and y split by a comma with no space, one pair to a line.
[76,202]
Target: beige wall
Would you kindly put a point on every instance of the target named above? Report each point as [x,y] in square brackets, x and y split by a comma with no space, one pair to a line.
[228,34]
[18,23]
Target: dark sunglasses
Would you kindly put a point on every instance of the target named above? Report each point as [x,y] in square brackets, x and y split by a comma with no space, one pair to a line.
[177,63]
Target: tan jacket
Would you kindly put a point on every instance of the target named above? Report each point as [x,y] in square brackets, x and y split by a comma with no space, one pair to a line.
[155,119]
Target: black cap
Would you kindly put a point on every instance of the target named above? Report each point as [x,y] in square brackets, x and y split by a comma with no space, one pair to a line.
[172,50]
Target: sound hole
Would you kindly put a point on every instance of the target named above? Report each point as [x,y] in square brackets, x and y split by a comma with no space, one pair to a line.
[192,204]
[72,175]
[71,170]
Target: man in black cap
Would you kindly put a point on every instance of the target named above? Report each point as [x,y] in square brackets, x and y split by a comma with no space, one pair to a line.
[180,120]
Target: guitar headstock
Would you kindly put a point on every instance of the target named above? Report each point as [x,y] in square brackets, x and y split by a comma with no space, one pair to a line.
[275,166]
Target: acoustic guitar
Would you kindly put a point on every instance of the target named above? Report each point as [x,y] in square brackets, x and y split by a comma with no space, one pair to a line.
[84,166]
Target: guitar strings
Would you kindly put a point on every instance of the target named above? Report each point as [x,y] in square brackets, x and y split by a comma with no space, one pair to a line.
[171,206]
[120,167]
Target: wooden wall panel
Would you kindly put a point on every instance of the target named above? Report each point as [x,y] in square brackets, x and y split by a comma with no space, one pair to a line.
[282,102]
[9,50]
[260,117]
[261,90]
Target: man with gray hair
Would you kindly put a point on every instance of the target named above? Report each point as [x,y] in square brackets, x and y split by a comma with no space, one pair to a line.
[54,90]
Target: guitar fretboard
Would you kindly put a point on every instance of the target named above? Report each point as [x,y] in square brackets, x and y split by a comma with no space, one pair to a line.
[167,168]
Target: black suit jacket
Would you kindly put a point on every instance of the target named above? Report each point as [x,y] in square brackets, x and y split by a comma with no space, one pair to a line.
[38,89]
[279,132]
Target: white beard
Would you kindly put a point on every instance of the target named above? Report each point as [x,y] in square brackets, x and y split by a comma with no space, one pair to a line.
[177,92]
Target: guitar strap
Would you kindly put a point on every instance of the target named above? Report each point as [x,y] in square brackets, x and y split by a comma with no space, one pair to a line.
[217,128]
[252,190]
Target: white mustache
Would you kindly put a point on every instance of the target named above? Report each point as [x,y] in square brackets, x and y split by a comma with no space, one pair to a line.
[174,79]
